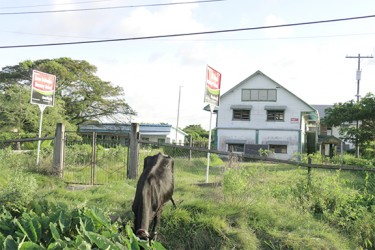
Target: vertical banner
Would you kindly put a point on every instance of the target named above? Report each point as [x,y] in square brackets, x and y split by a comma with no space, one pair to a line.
[211,96]
[212,89]
[42,94]
[43,88]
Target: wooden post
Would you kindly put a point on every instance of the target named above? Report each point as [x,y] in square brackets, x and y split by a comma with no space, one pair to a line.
[93,159]
[58,150]
[191,145]
[133,152]
[309,160]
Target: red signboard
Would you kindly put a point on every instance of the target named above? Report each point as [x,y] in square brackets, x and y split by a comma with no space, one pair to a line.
[43,88]
[212,89]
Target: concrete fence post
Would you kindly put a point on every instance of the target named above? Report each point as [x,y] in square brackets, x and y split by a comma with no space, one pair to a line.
[133,152]
[58,150]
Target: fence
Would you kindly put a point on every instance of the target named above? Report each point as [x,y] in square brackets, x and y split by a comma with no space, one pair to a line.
[92,160]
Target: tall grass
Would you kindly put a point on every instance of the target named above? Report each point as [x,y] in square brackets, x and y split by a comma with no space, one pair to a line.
[245,205]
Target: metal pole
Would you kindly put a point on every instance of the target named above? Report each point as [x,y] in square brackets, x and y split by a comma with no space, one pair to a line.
[358,77]
[41,107]
[178,111]
[209,143]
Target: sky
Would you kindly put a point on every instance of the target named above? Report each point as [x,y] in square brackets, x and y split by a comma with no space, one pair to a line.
[164,78]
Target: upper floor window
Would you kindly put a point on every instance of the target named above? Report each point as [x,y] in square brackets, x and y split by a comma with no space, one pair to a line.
[275,115]
[241,114]
[259,95]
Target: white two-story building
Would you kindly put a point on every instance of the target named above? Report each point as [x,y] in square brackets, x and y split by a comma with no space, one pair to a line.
[260,113]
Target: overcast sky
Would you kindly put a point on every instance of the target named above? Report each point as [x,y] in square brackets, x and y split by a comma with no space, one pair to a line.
[308,60]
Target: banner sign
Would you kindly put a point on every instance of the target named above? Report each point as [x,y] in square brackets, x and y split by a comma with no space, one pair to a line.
[43,88]
[212,89]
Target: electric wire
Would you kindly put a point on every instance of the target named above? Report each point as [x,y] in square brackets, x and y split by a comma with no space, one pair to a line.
[108,8]
[190,34]
[55,4]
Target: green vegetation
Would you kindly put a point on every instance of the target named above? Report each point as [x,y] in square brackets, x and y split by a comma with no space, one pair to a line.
[245,205]
[80,96]
[343,115]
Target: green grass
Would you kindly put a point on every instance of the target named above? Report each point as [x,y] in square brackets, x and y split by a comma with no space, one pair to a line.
[251,205]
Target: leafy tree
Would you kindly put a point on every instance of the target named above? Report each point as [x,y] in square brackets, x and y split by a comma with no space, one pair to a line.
[84,95]
[344,114]
[19,118]
[196,132]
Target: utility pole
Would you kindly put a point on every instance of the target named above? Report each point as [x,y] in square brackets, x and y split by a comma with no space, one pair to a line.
[358,77]
[178,110]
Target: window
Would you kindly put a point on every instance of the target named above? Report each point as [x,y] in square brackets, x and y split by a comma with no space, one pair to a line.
[275,115]
[259,95]
[236,148]
[161,140]
[279,149]
[241,114]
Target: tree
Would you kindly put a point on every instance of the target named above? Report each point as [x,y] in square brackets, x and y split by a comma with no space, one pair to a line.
[196,132]
[84,95]
[344,114]
[19,118]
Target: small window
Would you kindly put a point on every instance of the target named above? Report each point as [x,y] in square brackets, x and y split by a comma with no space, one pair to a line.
[279,149]
[259,95]
[236,147]
[161,140]
[275,115]
[241,115]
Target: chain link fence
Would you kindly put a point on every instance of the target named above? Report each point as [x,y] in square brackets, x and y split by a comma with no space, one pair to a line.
[94,159]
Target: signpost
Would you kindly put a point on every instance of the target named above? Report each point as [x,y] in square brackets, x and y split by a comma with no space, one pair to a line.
[42,94]
[211,96]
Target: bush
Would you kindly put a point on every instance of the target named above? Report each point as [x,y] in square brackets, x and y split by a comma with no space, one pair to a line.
[18,192]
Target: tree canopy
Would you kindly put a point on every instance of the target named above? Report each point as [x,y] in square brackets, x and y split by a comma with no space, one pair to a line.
[345,114]
[196,132]
[80,95]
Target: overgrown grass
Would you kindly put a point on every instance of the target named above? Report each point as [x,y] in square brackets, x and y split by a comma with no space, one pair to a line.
[250,205]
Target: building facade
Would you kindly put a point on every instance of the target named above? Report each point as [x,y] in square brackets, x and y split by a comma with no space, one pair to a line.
[161,133]
[260,113]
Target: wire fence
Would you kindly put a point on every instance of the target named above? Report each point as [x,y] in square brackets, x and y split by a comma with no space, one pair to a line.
[97,160]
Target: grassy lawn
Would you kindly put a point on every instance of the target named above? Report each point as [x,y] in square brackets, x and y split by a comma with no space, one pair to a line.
[252,205]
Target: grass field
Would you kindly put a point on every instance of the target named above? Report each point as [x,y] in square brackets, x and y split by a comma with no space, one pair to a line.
[245,205]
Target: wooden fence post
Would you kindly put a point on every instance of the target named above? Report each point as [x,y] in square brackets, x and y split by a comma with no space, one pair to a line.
[58,150]
[133,152]
[191,145]
[309,160]
[93,159]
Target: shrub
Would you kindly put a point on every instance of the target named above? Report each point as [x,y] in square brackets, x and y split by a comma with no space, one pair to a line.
[18,192]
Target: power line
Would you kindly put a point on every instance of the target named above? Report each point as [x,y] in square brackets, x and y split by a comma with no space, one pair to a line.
[56,4]
[189,34]
[108,8]
[203,39]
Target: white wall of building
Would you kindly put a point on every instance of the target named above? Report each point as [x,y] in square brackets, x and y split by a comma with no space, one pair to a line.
[258,130]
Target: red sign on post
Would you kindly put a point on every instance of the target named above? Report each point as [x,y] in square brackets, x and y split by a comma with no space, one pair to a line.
[212,90]
[43,88]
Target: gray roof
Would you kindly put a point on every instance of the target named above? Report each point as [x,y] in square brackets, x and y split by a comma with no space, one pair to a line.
[156,129]
[321,109]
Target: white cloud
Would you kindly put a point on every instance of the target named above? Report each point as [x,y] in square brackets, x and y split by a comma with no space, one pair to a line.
[169,20]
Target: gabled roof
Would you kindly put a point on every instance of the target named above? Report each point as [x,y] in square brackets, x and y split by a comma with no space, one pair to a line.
[264,75]
[322,109]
